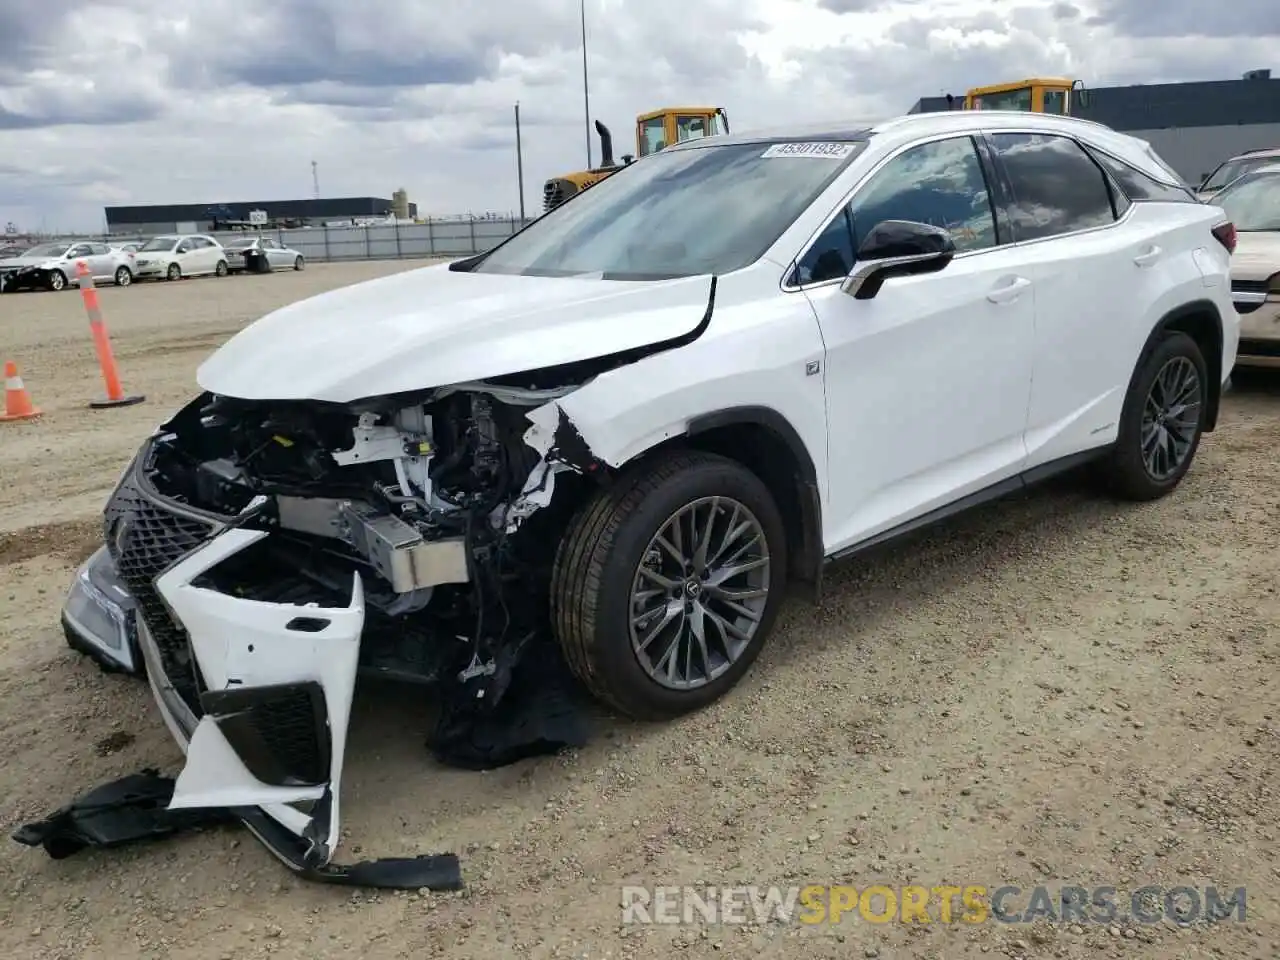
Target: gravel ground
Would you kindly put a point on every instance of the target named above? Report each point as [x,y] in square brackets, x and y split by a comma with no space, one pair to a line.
[1055,690]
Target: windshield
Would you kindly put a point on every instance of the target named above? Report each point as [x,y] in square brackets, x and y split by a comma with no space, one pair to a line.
[1232,169]
[48,250]
[1019,99]
[240,243]
[1253,204]
[678,213]
[158,243]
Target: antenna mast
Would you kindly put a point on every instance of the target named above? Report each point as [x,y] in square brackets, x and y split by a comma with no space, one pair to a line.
[315,179]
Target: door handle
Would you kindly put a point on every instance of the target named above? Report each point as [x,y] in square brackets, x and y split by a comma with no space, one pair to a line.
[1149,257]
[1010,291]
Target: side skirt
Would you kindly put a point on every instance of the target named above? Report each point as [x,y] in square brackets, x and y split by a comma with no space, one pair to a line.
[997,491]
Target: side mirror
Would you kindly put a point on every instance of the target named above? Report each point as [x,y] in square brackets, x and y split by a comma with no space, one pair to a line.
[897,248]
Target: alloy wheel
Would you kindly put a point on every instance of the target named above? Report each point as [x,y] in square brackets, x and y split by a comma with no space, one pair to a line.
[699,593]
[1171,418]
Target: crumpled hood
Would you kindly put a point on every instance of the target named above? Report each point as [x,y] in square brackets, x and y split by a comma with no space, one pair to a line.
[433,327]
[1257,255]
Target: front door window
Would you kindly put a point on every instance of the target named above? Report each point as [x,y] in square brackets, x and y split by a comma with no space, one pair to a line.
[652,136]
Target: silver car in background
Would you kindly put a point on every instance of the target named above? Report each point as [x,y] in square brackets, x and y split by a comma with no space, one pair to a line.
[261,255]
[1233,169]
[52,266]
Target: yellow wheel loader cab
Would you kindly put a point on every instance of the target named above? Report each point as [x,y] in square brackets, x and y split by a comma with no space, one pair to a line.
[653,132]
[675,125]
[1035,95]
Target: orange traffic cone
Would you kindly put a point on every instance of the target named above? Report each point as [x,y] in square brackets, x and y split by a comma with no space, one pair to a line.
[17,402]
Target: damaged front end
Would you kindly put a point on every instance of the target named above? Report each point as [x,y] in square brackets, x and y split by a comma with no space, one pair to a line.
[273,550]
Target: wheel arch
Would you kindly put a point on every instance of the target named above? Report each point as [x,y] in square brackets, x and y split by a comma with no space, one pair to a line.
[1202,322]
[766,443]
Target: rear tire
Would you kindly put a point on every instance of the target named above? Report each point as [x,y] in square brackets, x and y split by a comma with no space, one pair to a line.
[614,621]
[1161,422]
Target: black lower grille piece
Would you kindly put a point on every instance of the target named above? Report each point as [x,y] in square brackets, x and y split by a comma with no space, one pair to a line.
[145,538]
[280,732]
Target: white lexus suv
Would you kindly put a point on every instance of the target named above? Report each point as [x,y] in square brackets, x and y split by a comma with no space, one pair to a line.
[624,431]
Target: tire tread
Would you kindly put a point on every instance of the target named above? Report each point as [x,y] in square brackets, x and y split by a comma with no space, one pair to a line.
[578,571]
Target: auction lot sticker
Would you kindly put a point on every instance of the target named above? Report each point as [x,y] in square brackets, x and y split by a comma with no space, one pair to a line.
[822,151]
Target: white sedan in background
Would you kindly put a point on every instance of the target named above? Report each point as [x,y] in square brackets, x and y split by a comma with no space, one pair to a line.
[261,255]
[174,256]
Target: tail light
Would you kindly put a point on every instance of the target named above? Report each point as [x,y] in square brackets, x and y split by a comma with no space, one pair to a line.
[1225,233]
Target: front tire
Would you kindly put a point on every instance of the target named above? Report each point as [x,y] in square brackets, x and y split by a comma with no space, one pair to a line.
[299,263]
[1161,422]
[57,280]
[221,269]
[174,272]
[665,587]
[124,277]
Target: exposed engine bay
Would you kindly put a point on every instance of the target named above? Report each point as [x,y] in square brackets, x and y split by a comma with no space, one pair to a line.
[264,549]
[432,498]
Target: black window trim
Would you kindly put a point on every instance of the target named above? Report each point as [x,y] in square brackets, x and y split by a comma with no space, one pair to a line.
[1004,236]
[1085,146]
[1187,194]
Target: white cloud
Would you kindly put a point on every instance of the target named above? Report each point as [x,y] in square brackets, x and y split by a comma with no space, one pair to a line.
[147,101]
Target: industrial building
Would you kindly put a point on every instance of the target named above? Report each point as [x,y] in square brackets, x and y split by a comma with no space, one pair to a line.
[206,217]
[1193,126]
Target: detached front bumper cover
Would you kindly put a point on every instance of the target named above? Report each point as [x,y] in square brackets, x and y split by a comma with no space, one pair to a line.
[250,653]
[265,730]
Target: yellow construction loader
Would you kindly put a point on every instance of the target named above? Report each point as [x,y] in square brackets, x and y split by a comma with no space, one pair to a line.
[1035,95]
[654,130]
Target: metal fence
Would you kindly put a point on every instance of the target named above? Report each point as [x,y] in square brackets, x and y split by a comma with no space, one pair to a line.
[389,241]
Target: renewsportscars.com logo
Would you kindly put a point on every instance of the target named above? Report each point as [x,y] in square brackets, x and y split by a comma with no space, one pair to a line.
[971,904]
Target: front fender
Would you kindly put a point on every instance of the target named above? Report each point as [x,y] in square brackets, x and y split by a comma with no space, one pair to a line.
[757,352]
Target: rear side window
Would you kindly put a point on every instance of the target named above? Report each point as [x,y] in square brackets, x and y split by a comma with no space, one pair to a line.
[1057,187]
[1137,185]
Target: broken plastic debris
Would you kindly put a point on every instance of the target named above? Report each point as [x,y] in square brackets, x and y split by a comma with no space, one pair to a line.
[127,810]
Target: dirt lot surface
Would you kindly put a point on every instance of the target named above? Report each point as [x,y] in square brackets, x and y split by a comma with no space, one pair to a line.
[1053,691]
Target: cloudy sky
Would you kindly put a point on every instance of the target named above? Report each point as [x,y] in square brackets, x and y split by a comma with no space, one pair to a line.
[149,101]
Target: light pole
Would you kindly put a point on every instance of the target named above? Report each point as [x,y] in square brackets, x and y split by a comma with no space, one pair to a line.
[586,98]
[519,162]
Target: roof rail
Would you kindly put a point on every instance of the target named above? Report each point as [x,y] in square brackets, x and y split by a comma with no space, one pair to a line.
[1022,114]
